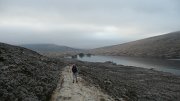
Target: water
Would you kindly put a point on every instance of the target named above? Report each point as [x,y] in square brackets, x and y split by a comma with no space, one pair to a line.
[172,66]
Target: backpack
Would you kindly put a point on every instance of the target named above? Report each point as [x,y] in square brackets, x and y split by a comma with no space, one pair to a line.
[74,69]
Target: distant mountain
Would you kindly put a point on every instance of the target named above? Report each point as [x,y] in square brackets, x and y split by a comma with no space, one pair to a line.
[49,48]
[163,46]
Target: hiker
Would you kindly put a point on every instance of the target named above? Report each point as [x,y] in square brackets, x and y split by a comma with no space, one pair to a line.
[75,72]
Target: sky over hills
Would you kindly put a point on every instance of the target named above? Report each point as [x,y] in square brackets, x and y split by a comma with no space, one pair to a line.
[86,23]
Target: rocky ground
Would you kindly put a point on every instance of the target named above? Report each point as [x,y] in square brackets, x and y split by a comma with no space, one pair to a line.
[26,75]
[131,83]
[80,91]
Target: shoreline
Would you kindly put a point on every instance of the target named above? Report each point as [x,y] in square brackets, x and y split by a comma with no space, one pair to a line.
[163,65]
[131,83]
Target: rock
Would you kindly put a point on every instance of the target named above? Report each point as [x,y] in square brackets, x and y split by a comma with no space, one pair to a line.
[2,59]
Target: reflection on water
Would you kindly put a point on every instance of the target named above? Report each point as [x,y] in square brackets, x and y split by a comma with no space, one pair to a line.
[80,55]
[172,66]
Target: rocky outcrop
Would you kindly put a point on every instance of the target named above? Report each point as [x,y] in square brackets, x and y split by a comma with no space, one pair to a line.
[163,46]
[26,75]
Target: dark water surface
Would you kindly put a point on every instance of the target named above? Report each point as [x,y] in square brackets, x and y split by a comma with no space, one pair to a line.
[172,66]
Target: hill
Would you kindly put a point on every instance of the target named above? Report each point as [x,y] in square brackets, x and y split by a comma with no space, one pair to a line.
[26,75]
[49,48]
[163,46]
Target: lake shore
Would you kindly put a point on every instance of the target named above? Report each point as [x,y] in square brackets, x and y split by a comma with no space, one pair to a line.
[130,83]
[165,65]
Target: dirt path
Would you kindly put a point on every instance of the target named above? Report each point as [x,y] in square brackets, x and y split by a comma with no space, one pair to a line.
[69,91]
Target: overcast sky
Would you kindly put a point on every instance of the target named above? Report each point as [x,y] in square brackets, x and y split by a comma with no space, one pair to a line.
[86,23]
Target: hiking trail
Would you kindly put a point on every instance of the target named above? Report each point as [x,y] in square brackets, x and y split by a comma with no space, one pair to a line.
[69,91]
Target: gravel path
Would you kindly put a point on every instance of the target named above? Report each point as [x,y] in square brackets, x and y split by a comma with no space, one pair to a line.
[69,91]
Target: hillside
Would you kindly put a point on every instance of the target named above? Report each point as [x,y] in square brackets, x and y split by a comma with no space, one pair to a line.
[26,75]
[127,83]
[49,48]
[163,46]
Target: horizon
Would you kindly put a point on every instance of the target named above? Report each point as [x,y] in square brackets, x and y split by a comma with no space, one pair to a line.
[86,24]
[87,48]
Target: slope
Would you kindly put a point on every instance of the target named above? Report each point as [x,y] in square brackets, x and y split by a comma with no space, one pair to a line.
[26,75]
[48,48]
[163,46]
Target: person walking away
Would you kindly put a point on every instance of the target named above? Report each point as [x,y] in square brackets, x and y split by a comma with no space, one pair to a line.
[75,72]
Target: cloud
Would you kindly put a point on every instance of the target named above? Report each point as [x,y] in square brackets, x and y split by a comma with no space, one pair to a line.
[86,23]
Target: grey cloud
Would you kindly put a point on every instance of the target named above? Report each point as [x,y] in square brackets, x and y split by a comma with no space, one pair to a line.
[74,22]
